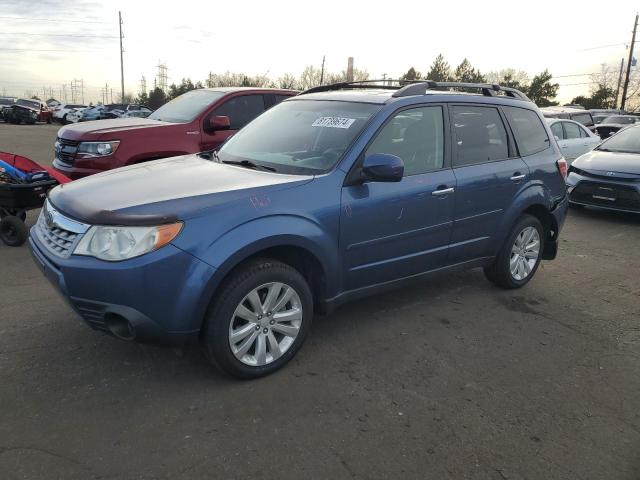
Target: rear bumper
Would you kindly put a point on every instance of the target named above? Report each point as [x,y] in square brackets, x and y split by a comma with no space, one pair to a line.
[159,295]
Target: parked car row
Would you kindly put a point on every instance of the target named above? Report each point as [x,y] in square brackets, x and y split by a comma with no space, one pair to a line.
[26,110]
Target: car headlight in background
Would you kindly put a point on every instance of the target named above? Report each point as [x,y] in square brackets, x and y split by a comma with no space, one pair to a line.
[98,149]
[121,243]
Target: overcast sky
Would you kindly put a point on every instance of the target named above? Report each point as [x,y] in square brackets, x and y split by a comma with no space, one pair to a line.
[258,37]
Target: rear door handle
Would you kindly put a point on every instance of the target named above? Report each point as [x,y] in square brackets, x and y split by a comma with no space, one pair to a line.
[517,177]
[442,191]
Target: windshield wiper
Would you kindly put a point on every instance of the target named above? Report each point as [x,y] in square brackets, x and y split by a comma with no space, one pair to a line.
[246,164]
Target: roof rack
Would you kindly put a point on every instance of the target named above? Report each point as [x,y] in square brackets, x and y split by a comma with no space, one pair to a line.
[407,88]
[350,85]
[488,90]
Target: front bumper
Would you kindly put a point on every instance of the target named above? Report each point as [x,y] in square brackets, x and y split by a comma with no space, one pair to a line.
[619,195]
[160,294]
[73,172]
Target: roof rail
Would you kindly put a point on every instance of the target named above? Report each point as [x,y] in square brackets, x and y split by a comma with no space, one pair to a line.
[489,90]
[407,88]
[386,85]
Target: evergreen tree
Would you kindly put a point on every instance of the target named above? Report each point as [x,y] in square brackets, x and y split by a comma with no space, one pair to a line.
[440,70]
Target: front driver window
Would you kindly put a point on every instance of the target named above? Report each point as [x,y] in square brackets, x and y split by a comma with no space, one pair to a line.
[241,110]
[416,136]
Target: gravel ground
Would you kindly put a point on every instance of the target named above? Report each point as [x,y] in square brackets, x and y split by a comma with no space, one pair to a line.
[449,379]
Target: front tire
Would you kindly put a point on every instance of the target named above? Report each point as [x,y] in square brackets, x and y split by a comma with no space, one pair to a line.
[519,257]
[259,319]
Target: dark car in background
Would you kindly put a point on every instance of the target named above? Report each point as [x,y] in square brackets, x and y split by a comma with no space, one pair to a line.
[341,192]
[28,111]
[5,102]
[614,123]
[196,121]
[579,115]
[609,176]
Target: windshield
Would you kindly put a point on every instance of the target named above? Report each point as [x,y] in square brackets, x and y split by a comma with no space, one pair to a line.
[186,107]
[28,103]
[627,141]
[299,136]
[620,120]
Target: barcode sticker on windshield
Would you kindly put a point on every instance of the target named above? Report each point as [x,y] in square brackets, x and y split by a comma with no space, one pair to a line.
[333,122]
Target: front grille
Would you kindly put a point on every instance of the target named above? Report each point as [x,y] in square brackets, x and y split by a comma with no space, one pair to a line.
[607,195]
[57,233]
[65,150]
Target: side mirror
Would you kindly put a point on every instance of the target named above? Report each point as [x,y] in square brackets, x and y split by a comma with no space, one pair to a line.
[556,137]
[382,167]
[219,122]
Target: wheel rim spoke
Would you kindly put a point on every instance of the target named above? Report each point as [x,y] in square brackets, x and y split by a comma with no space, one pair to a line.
[242,333]
[272,296]
[265,324]
[246,344]
[524,253]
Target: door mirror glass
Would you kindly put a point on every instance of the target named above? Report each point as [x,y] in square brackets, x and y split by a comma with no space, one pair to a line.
[557,138]
[219,122]
[382,167]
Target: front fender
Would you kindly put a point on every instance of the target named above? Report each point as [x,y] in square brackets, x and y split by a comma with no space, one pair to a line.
[245,240]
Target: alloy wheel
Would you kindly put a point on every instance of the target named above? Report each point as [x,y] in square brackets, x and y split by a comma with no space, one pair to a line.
[265,324]
[524,253]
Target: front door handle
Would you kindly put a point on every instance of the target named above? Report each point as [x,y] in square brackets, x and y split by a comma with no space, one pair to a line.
[517,177]
[442,191]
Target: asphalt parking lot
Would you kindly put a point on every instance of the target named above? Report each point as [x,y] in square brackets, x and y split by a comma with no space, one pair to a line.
[451,378]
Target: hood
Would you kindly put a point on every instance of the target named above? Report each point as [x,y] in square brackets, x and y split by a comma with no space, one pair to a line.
[100,128]
[26,107]
[163,191]
[598,162]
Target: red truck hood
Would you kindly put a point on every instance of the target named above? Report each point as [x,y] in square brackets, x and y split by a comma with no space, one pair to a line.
[101,129]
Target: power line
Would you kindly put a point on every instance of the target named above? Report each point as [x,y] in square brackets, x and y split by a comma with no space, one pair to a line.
[57,35]
[47,50]
[50,19]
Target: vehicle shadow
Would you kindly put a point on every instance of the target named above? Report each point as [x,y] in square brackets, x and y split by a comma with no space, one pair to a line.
[585,212]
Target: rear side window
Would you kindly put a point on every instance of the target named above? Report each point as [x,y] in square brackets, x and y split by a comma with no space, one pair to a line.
[527,127]
[241,110]
[572,130]
[480,135]
[280,98]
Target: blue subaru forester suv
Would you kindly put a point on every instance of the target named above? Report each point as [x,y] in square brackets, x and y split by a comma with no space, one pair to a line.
[343,191]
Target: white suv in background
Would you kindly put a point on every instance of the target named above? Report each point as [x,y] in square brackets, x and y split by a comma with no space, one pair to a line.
[61,111]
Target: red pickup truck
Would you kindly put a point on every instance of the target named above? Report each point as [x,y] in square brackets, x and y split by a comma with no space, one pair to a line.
[194,122]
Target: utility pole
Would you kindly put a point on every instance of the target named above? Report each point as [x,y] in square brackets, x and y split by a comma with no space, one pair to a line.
[629,62]
[322,72]
[350,69]
[121,60]
[619,82]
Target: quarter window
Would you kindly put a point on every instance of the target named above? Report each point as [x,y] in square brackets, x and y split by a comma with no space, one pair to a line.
[528,129]
[241,110]
[556,129]
[480,135]
[416,136]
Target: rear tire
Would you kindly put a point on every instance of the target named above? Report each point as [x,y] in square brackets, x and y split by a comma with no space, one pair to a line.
[519,258]
[13,231]
[259,319]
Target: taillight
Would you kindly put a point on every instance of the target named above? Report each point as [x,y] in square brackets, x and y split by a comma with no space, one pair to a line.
[562,167]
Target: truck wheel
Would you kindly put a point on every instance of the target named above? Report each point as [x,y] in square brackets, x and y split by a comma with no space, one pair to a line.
[259,319]
[13,231]
[520,255]
[64,119]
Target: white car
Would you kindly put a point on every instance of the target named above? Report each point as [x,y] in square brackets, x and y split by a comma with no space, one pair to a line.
[574,139]
[75,114]
[61,111]
[144,112]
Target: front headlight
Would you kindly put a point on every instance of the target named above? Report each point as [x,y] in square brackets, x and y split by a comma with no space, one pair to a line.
[121,243]
[98,149]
